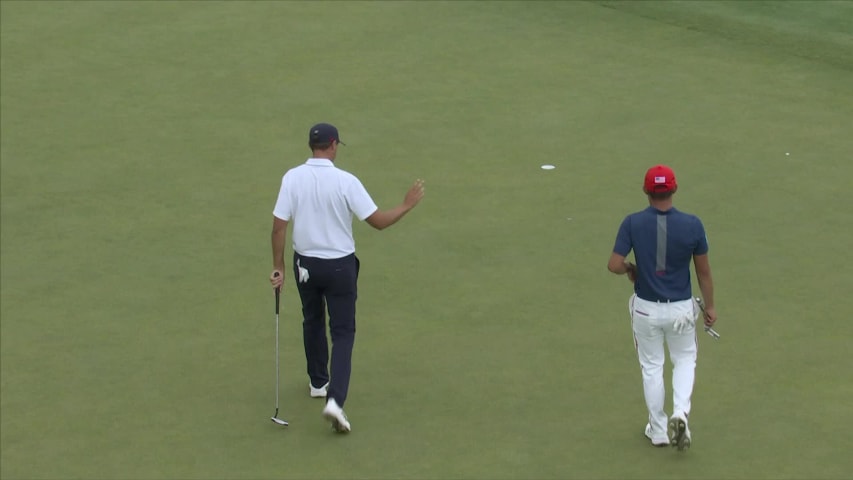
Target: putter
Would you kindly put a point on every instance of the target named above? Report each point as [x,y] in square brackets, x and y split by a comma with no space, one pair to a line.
[275,418]
[710,331]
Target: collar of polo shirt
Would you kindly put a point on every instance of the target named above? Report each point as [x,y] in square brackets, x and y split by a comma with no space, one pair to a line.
[320,162]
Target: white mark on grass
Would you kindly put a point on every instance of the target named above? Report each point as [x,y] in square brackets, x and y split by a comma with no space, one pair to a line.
[548,167]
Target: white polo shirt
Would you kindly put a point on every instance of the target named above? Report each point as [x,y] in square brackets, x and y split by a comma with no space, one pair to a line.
[320,199]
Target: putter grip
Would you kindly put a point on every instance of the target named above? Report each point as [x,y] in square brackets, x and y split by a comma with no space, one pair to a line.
[277,295]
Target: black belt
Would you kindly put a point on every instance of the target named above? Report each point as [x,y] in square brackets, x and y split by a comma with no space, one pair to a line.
[663,300]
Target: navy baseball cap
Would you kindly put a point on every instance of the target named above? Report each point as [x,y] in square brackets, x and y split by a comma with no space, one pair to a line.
[323,133]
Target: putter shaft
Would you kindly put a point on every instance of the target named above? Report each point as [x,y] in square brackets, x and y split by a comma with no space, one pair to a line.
[275,418]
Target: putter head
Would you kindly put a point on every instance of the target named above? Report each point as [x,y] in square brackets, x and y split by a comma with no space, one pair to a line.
[279,421]
[710,331]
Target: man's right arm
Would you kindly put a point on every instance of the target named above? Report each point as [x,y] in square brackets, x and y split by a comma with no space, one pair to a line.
[279,237]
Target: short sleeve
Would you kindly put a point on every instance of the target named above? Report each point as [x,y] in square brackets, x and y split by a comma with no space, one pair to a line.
[360,202]
[283,205]
[623,238]
[701,239]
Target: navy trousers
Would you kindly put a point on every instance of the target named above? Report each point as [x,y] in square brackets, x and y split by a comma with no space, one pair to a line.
[332,283]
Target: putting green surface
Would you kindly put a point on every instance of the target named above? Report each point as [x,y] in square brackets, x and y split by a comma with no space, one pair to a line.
[143,144]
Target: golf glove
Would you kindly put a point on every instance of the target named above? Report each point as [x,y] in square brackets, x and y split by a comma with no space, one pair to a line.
[303,273]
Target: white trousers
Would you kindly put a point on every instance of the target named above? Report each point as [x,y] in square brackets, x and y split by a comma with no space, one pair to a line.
[653,325]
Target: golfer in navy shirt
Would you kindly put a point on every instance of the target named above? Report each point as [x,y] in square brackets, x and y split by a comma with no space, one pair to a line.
[664,241]
[321,200]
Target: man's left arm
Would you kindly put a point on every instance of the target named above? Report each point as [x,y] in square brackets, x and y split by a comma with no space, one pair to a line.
[617,263]
[619,266]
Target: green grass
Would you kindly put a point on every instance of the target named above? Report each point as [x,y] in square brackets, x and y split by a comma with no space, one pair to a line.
[142,148]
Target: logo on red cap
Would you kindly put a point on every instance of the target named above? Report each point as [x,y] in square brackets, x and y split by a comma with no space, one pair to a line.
[660,179]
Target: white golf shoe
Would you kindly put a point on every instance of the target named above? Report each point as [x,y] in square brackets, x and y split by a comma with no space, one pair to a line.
[657,439]
[335,414]
[318,392]
[679,432]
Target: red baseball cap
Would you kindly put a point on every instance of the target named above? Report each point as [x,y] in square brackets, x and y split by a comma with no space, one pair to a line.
[659,179]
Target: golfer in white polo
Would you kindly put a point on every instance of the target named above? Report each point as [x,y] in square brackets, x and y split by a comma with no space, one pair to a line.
[320,201]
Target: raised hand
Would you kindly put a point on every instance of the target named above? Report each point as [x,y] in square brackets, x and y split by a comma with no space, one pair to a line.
[415,194]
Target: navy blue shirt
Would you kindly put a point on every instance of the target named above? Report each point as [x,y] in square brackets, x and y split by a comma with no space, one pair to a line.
[664,244]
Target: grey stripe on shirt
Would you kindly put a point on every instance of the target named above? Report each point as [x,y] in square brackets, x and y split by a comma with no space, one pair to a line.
[660,260]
